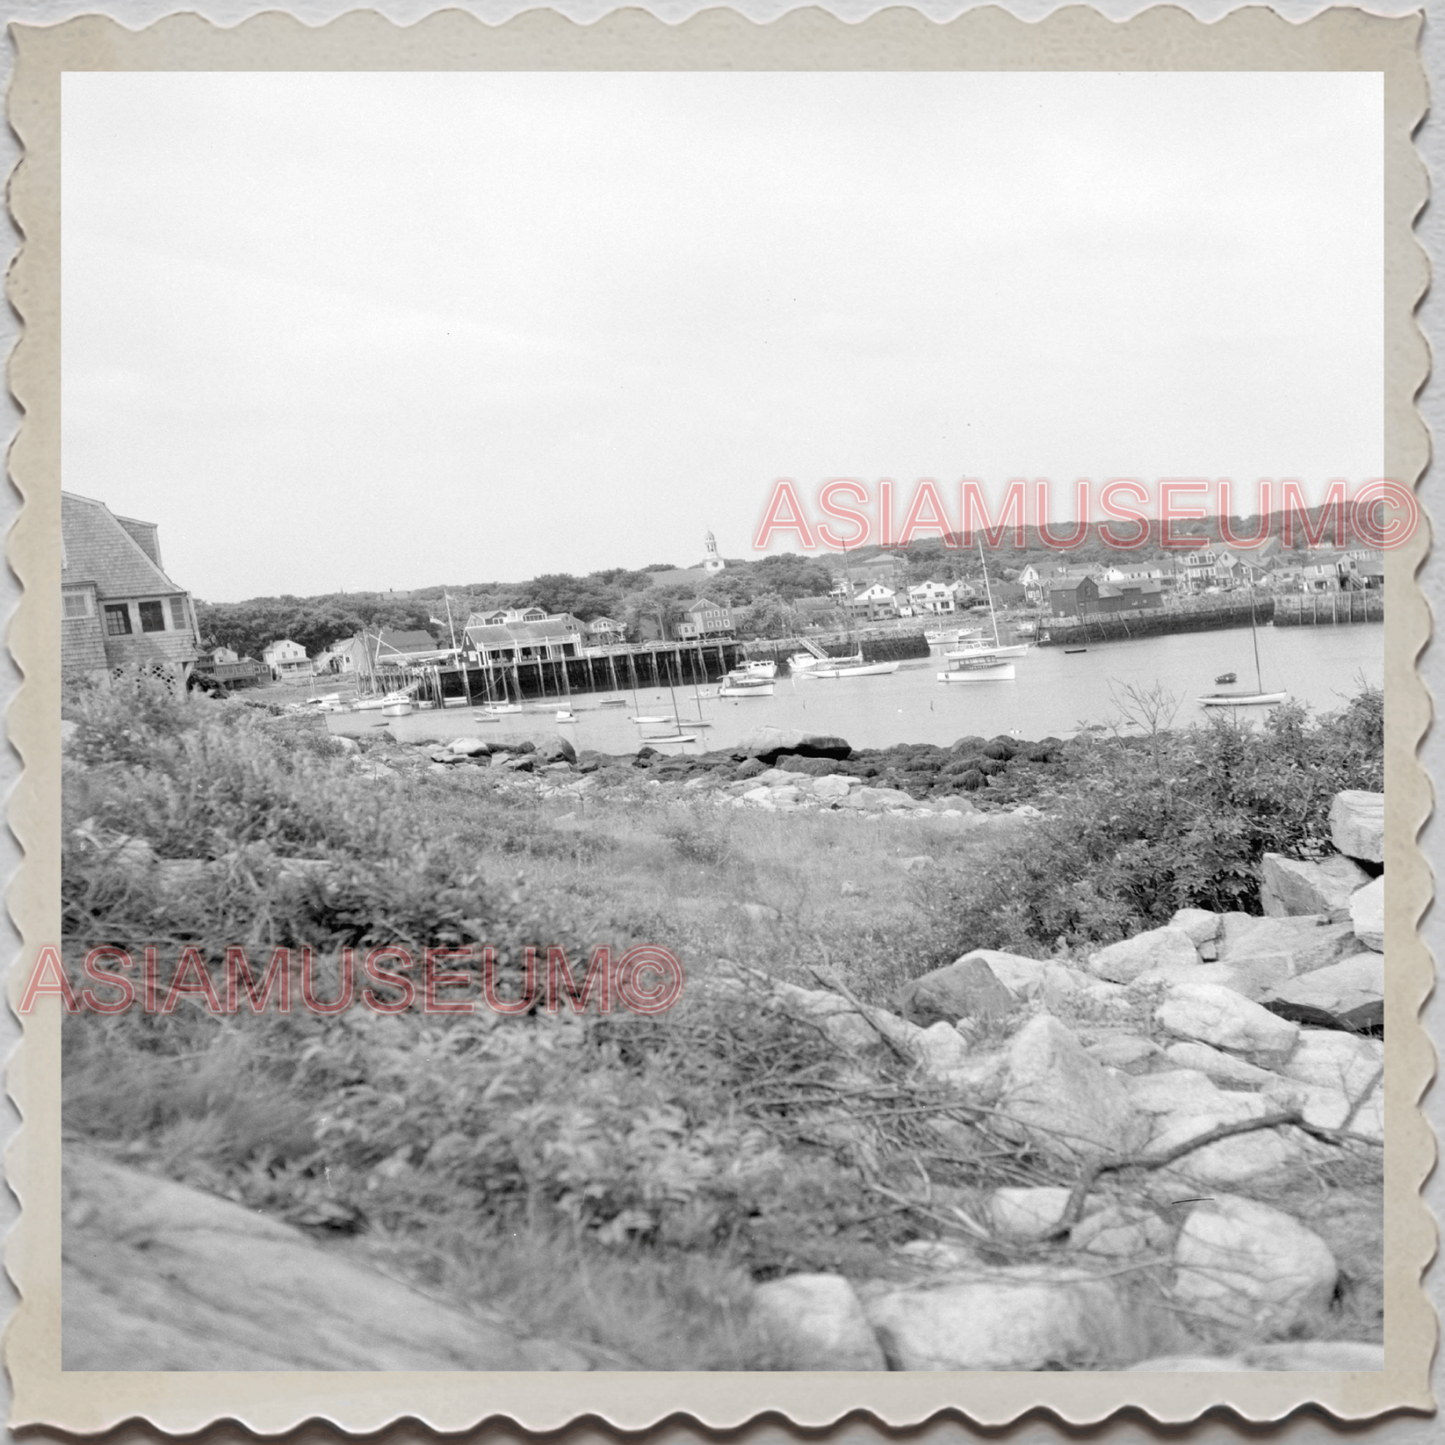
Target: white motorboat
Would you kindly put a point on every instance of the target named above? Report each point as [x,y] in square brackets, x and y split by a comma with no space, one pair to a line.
[951,636]
[801,662]
[985,649]
[745,687]
[979,669]
[853,669]
[391,700]
[566,715]
[755,669]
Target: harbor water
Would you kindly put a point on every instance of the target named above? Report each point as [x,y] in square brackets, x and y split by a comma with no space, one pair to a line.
[1053,693]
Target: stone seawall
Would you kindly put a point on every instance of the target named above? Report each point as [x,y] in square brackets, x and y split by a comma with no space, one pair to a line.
[1068,632]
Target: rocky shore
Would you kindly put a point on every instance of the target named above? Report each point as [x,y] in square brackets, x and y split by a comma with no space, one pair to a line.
[1220,1053]
[775,760]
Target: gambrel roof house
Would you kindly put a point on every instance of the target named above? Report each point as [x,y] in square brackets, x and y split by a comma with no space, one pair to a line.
[119,609]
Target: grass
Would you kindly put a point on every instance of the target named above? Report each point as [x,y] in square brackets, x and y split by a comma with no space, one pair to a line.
[621,1179]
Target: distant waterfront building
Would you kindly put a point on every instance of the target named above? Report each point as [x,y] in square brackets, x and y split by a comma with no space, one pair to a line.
[1084,597]
[606,632]
[541,637]
[1197,570]
[118,608]
[225,665]
[874,603]
[286,659]
[704,620]
[931,597]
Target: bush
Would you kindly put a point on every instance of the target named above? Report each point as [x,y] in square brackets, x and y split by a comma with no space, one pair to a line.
[1138,827]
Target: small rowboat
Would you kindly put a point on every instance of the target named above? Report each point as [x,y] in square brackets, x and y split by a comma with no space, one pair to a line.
[1227,677]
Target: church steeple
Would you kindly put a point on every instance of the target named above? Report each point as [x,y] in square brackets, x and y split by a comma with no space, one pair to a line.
[711,561]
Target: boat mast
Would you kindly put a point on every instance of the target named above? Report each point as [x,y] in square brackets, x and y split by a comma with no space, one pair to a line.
[993,616]
[1254,638]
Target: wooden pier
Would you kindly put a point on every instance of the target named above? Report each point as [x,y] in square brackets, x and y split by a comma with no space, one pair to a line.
[610,669]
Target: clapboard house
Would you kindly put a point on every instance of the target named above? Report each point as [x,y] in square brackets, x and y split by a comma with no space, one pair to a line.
[119,610]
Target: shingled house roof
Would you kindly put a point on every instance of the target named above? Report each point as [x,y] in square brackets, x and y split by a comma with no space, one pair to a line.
[391,643]
[96,548]
[486,634]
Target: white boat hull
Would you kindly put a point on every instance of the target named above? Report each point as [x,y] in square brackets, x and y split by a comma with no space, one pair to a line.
[730,689]
[988,672]
[1012,649]
[802,662]
[1243,699]
[766,670]
[862,669]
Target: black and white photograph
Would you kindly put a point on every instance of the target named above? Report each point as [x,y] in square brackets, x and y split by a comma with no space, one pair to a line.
[723,721]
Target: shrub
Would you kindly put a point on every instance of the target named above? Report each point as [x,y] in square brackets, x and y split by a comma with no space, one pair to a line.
[1138,827]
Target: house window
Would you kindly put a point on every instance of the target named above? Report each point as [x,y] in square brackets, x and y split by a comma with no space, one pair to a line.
[117,621]
[152,616]
[75,604]
[178,613]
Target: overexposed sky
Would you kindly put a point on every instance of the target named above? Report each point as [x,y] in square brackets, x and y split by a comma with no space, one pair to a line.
[371,331]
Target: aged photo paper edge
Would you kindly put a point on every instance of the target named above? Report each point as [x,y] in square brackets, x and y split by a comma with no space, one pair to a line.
[1162,38]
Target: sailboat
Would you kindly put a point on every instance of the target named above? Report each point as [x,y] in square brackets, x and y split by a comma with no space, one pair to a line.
[851,666]
[980,662]
[1259,697]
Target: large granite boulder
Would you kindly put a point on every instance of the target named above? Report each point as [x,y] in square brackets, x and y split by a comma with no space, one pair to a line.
[1065,1101]
[1357,825]
[1252,1267]
[159,1276]
[1157,948]
[1289,887]
[1199,923]
[967,989]
[1284,946]
[1024,1318]
[1346,995]
[770,744]
[1367,915]
[1217,1015]
[816,1322]
[557,750]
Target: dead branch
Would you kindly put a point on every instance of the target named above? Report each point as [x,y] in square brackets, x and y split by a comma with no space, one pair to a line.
[1080,1192]
[829,981]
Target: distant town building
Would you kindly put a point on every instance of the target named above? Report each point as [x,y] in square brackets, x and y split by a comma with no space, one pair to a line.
[224,665]
[1363,570]
[874,603]
[705,619]
[1084,597]
[118,607]
[711,562]
[526,638]
[286,659]
[606,632]
[931,597]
